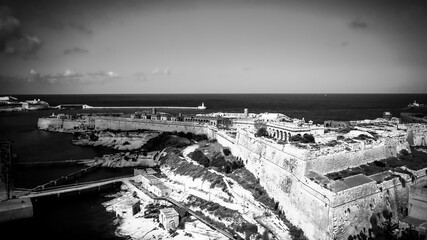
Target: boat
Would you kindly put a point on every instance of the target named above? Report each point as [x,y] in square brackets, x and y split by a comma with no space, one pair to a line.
[201,107]
[415,105]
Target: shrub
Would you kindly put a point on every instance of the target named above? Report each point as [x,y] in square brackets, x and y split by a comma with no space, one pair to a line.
[226,151]
[262,132]
[308,138]
[295,138]
[404,152]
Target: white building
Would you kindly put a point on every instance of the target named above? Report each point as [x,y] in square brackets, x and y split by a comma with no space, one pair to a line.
[169,218]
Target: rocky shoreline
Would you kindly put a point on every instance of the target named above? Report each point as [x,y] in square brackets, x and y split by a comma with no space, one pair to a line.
[123,141]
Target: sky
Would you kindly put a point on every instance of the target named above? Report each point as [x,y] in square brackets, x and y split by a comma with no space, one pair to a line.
[222,46]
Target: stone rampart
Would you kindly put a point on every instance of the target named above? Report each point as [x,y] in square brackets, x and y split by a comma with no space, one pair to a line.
[340,160]
[320,212]
[46,123]
[126,124]
[226,140]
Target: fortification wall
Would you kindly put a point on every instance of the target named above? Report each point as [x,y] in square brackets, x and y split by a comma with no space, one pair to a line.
[361,209]
[321,213]
[282,175]
[340,160]
[226,141]
[46,123]
[165,126]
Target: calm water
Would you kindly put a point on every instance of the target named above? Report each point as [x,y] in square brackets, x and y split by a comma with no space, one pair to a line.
[84,218]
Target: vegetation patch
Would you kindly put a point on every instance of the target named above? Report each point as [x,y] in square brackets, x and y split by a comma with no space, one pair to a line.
[217,161]
[238,224]
[182,167]
[171,139]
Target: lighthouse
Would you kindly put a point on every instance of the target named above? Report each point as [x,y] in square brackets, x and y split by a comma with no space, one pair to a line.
[201,107]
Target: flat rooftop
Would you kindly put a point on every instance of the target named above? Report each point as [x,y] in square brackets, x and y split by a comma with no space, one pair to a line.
[350,182]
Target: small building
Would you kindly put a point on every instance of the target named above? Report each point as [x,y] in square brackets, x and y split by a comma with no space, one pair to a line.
[160,190]
[387,115]
[169,218]
[128,208]
[164,117]
[148,180]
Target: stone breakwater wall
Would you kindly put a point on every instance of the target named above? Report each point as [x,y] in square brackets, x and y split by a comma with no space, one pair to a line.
[319,211]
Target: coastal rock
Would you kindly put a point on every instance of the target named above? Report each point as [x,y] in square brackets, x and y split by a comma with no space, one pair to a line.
[123,141]
[127,159]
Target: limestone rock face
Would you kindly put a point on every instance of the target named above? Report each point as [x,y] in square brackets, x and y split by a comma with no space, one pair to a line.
[119,141]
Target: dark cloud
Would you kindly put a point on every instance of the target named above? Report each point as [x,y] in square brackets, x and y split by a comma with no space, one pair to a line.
[80,28]
[12,40]
[358,24]
[76,50]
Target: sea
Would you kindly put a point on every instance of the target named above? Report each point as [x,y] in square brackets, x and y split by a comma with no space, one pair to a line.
[84,217]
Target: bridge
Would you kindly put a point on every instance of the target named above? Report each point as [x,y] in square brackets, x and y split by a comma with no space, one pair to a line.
[50,163]
[75,187]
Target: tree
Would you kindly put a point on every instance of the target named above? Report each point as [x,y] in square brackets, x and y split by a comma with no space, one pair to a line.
[262,132]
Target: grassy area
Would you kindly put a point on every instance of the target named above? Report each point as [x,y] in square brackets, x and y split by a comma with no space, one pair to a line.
[183,167]
[222,213]
[415,161]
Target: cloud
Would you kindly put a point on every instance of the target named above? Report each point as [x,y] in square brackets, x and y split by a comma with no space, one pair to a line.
[80,28]
[69,77]
[358,24]
[12,40]
[75,50]
[159,71]
[24,45]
